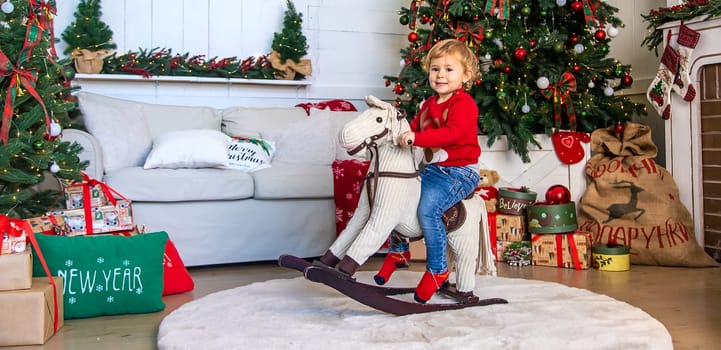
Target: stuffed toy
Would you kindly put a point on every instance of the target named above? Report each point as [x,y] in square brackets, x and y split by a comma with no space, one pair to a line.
[486,188]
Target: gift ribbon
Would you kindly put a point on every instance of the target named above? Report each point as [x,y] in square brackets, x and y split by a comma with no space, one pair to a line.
[42,11]
[503,7]
[18,78]
[467,35]
[108,191]
[591,9]
[575,257]
[560,96]
[17,227]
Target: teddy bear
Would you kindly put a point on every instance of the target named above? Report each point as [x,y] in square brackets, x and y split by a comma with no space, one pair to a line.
[486,188]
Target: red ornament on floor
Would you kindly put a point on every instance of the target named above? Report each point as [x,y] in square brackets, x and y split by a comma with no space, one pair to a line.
[558,194]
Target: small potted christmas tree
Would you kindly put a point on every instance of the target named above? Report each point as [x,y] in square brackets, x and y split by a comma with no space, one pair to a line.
[289,46]
[89,39]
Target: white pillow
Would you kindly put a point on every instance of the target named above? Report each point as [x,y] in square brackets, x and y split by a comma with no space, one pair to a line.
[308,141]
[250,154]
[338,119]
[121,130]
[254,121]
[202,148]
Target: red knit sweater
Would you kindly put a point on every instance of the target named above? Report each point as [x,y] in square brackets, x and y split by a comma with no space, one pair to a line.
[456,132]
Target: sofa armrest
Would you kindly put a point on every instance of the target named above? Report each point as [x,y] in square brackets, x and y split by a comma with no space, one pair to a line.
[91,151]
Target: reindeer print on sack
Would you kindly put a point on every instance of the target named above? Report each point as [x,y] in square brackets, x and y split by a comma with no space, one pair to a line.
[619,210]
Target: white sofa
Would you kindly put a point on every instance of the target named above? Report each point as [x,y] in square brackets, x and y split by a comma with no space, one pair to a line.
[216,215]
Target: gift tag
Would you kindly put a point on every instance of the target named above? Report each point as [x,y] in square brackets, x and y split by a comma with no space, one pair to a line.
[567,145]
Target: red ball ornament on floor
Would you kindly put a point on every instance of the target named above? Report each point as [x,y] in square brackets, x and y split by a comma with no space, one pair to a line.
[521,54]
[558,194]
[412,37]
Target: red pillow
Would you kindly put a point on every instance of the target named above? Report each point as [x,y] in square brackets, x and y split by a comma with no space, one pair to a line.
[333,105]
[176,278]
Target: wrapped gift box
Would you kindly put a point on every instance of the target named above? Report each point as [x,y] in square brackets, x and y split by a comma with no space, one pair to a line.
[16,271]
[49,225]
[109,218]
[511,228]
[75,195]
[28,316]
[572,250]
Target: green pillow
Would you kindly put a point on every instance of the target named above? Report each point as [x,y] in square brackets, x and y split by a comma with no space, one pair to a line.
[106,274]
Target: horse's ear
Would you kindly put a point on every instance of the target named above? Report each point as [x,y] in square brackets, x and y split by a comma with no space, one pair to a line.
[373,101]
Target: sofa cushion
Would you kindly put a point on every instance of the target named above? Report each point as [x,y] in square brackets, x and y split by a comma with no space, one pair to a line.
[166,118]
[203,148]
[121,130]
[338,120]
[284,180]
[250,154]
[306,141]
[177,185]
[253,122]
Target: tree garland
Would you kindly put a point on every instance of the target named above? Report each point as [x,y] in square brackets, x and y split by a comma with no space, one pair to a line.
[688,10]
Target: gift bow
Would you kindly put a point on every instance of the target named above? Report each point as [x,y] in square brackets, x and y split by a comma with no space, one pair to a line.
[18,77]
[14,227]
[560,96]
[503,7]
[289,67]
[465,34]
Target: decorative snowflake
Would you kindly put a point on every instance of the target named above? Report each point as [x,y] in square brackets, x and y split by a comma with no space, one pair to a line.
[68,263]
[126,262]
[338,173]
[110,299]
[72,300]
[139,291]
[100,260]
[99,288]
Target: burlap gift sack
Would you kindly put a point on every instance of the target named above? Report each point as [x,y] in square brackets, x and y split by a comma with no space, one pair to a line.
[633,201]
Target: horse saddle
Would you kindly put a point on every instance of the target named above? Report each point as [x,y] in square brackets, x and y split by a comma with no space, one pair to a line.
[454,217]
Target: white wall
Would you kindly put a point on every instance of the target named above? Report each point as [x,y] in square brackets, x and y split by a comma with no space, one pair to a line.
[352,44]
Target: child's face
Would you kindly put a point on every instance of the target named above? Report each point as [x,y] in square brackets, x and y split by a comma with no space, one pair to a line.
[446,75]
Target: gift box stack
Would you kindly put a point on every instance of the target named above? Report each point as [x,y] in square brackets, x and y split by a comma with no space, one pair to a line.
[92,207]
[32,308]
[554,238]
[510,240]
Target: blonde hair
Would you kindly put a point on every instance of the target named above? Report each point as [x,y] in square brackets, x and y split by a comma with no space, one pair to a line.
[458,50]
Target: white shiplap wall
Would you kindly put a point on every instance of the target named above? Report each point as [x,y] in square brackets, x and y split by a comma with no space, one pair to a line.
[352,44]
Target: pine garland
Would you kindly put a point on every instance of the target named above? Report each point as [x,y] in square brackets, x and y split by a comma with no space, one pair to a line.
[704,9]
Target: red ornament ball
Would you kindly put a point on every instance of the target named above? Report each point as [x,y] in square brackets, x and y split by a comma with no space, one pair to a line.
[576,68]
[533,43]
[412,37]
[399,89]
[506,69]
[626,80]
[573,39]
[619,128]
[558,194]
[521,54]
[576,6]
[600,35]
[388,83]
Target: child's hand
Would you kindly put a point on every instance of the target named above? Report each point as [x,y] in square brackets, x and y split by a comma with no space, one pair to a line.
[406,139]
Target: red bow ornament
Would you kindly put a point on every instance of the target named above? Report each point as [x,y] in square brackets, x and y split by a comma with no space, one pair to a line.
[469,35]
[560,96]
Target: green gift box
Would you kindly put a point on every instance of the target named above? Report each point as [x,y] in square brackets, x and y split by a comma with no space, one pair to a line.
[552,218]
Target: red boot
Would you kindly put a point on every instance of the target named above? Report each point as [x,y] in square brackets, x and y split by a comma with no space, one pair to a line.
[390,264]
[429,284]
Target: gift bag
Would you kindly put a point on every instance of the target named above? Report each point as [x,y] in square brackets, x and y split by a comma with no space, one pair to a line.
[633,201]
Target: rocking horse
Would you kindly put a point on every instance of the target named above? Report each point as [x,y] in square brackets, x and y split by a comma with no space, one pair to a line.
[388,203]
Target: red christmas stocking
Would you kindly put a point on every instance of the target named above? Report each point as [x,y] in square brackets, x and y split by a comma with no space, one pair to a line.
[687,41]
[568,145]
[659,92]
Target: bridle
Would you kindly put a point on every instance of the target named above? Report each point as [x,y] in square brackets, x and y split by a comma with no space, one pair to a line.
[372,177]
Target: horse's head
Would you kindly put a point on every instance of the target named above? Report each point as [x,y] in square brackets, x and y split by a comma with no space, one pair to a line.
[379,124]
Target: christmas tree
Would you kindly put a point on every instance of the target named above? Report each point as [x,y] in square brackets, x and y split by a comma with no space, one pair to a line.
[88,31]
[545,64]
[36,102]
[290,43]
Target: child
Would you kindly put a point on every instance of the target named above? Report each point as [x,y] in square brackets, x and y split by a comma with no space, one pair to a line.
[448,121]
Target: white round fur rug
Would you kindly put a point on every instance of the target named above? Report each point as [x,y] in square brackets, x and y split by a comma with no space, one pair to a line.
[300,314]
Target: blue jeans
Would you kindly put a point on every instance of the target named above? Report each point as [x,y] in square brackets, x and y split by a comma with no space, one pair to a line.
[441,188]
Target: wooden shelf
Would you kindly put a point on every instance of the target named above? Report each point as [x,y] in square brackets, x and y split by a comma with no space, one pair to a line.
[191,79]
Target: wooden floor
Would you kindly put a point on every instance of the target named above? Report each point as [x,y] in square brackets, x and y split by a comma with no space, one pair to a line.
[687,301]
